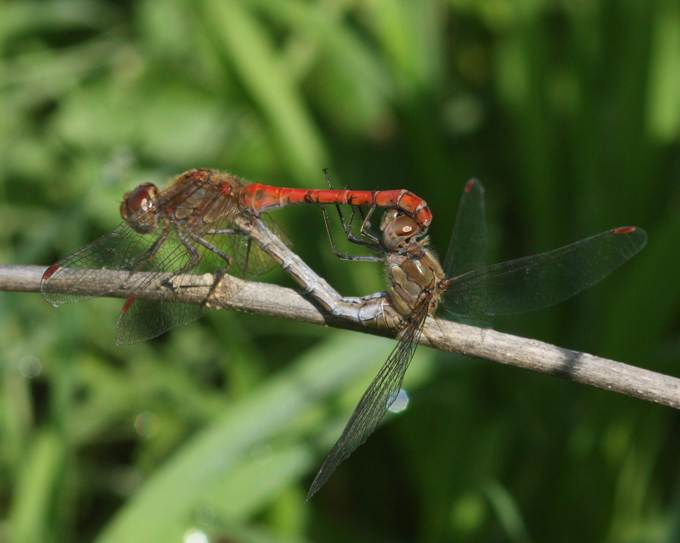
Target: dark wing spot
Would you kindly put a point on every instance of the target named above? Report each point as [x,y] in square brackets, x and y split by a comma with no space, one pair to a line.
[49,272]
[624,230]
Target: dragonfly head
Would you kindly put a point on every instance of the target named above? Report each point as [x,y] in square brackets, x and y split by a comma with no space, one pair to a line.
[139,208]
[398,230]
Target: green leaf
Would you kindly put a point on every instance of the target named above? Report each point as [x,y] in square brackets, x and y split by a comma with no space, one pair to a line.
[245,42]
[163,507]
[32,518]
[663,109]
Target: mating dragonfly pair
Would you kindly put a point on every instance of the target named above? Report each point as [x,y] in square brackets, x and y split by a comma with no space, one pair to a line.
[194,224]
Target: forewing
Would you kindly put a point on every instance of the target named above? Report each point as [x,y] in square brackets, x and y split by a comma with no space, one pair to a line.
[377,398]
[170,249]
[230,252]
[467,246]
[118,250]
[248,258]
[123,249]
[542,280]
[142,319]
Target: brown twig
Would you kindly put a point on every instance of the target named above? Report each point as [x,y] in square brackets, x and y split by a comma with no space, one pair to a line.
[276,301]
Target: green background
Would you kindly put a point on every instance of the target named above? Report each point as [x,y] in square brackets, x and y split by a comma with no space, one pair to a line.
[568,111]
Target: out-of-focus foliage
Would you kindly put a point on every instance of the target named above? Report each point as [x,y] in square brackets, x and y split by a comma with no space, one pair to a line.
[569,111]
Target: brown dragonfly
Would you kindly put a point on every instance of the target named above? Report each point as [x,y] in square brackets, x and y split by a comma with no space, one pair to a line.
[464,288]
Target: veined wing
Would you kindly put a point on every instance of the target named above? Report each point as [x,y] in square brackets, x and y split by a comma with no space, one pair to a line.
[142,319]
[376,400]
[118,250]
[185,212]
[467,246]
[125,248]
[248,258]
[542,280]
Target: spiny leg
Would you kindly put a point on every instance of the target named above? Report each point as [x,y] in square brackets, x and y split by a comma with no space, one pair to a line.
[151,251]
[194,257]
[234,232]
[220,273]
[366,225]
[249,244]
[224,231]
[346,256]
[147,255]
[347,224]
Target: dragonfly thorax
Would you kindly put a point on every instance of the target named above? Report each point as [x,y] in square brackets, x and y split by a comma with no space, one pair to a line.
[414,275]
[139,208]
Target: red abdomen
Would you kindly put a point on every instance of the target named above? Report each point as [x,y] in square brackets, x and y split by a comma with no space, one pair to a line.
[258,197]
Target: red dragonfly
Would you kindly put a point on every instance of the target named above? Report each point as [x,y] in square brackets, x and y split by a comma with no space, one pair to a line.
[189,226]
[463,288]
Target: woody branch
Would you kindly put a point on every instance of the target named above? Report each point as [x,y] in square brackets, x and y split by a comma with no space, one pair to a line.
[276,301]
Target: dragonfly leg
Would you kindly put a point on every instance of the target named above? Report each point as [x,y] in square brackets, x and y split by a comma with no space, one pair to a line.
[151,251]
[194,259]
[220,273]
[193,253]
[347,224]
[366,235]
[366,230]
[346,256]
[366,226]
[210,247]
[224,231]
[247,258]
[232,232]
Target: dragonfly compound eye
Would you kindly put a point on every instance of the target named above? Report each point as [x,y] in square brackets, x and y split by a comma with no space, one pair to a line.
[399,231]
[139,208]
[405,227]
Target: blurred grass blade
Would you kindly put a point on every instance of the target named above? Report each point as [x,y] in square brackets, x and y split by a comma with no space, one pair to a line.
[410,34]
[23,17]
[162,508]
[243,490]
[353,87]
[36,504]
[247,45]
[663,107]
[507,512]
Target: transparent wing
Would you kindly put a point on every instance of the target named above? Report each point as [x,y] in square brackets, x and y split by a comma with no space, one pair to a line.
[377,398]
[126,250]
[143,319]
[118,250]
[248,259]
[542,280]
[177,248]
[467,246]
